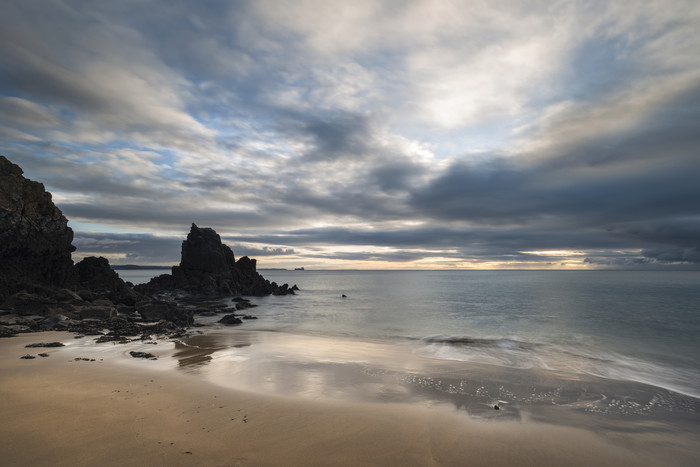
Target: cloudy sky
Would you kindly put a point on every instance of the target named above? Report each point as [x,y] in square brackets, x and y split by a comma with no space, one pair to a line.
[363,134]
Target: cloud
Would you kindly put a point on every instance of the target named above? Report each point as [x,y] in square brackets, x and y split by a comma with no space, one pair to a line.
[344,136]
[128,248]
[446,133]
[103,75]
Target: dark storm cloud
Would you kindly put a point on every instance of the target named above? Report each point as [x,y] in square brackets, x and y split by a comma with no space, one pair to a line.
[500,193]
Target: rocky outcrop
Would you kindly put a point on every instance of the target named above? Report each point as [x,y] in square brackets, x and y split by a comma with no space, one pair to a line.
[203,252]
[95,276]
[35,240]
[208,267]
[41,288]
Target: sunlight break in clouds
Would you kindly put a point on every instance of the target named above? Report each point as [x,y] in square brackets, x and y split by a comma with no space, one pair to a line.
[366,134]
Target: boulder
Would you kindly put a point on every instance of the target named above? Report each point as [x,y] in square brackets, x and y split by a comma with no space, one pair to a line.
[230,320]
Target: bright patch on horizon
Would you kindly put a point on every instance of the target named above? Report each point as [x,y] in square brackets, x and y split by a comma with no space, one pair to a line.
[555,253]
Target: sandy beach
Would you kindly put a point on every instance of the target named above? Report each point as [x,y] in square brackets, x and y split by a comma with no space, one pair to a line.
[61,411]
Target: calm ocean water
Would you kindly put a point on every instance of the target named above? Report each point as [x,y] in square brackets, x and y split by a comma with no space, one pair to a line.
[618,325]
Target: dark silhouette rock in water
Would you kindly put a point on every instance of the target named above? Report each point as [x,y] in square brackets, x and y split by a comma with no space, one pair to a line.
[208,267]
[203,251]
[206,264]
[35,240]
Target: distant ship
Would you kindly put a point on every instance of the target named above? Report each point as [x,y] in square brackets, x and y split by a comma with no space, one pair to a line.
[299,269]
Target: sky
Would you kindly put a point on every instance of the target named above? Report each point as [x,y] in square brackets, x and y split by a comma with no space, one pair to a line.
[364,134]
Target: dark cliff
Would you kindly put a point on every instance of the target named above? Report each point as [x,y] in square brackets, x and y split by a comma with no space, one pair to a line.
[35,240]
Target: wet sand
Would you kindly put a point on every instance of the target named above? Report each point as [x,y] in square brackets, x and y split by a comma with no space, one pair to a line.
[116,410]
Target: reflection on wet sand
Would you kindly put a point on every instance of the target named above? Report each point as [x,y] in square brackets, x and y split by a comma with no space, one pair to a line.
[197,351]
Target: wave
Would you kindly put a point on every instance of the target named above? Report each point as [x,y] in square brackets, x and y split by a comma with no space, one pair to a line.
[502,343]
[512,353]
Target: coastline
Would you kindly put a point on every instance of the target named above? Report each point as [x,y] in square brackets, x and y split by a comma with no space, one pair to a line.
[121,411]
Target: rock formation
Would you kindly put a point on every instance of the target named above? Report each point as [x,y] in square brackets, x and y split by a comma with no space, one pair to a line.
[208,267]
[35,240]
[96,276]
[41,288]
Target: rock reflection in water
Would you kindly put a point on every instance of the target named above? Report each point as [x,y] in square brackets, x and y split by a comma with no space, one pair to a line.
[196,351]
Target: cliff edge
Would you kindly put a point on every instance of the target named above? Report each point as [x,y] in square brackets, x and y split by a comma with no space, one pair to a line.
[35,240]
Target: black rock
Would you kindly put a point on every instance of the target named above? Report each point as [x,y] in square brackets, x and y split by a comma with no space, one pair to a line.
[203,251]
[208,267]
[147,355]
[230,320]
[96,275]
[35,240]
[27,357]
[44,344]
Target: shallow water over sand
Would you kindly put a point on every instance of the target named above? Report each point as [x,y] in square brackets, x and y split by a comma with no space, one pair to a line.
[344,369]
[616,348]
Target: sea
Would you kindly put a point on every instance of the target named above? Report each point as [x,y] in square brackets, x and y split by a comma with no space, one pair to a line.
[492,343]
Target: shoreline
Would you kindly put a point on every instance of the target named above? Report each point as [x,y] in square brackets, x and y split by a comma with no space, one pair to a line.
[115,411]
